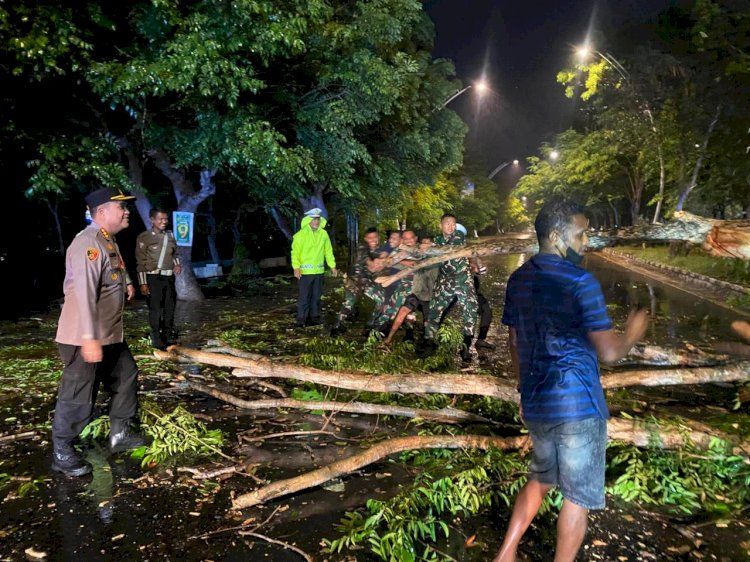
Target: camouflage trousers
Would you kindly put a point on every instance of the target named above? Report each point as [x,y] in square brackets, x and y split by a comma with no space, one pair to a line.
[447,293]
[355,290]
[392,301]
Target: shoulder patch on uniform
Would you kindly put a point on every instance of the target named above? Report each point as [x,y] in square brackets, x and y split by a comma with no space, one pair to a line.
[92,253]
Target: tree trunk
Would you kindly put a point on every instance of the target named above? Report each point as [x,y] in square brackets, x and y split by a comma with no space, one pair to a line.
[315,200]
[352,234]
[635,203]
[438,383]
[668,377]
[448,383]
[661,356]
[188,200]
[370,456]
[135,173]
[662,181]
[444,415]
[211,234]
[729,239]
[236,234]
[616,214]
[699,163]
[280,221]
[58,227]
[662,170]
[648,434]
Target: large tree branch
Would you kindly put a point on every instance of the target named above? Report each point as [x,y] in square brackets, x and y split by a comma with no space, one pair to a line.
[446,383]
[370,456]
[636,432]
[135,173]
[444,415]
[183,187]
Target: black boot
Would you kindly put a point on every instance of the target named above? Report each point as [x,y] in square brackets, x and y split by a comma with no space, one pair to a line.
[171,337]
[67,460]
[482,341]
[466,349]
[122,437]
[158,341]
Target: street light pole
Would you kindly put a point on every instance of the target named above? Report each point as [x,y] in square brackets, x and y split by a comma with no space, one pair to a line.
[585,50]
[497,170]
[481,88]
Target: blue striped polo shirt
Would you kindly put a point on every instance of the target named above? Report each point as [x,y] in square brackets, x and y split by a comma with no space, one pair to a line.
[553,304]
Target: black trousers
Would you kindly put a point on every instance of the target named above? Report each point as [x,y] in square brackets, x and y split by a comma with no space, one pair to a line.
[308,303]
[161,304]
[79,385]
[485,312]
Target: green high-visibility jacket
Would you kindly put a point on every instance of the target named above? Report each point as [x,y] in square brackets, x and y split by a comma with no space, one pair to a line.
[311,249]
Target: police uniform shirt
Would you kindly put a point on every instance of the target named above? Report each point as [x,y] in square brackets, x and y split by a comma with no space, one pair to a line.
[95,288]
[156,253]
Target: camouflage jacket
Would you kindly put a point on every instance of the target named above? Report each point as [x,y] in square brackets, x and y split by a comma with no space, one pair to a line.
[457,267]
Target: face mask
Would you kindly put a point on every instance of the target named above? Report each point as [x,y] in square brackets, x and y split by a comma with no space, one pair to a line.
[570,254]
[573,257]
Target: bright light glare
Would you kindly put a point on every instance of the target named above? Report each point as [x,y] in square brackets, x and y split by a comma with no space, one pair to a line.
[515,162]
[481,86]
[583,51]
[554,155]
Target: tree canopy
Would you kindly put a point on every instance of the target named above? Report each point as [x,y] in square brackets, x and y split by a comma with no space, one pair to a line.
[663,126]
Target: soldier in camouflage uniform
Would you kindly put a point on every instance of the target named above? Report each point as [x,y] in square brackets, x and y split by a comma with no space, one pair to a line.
[454,284]
[359,282]
[395,295]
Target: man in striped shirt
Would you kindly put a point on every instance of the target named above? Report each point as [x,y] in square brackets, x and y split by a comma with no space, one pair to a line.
[558,324]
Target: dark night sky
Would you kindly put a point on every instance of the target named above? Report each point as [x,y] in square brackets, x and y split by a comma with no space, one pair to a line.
[521,45]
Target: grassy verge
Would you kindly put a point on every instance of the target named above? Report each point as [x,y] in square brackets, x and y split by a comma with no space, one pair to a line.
[726,269]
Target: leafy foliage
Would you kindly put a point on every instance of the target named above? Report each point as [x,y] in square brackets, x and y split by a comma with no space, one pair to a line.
[453,484]
[687,480]
[343,355]
[172,434]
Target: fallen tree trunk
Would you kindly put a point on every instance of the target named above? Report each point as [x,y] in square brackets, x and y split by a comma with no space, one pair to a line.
[730,239]
[449,383]
[444,383]
[655,355]
[444,415]
[721,238]
[668,377]
[637,432]
[371,455]
[649,434]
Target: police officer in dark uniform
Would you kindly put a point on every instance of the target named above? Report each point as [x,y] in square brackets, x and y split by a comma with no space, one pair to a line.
[90,336]
[157,265]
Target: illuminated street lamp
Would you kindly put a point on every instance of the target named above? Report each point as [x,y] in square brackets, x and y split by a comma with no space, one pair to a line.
[554,155]
[480,85]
